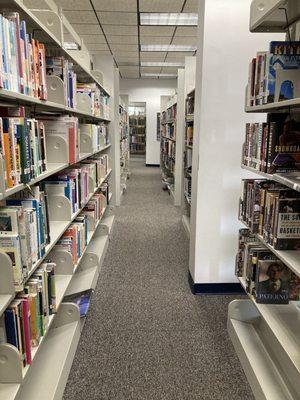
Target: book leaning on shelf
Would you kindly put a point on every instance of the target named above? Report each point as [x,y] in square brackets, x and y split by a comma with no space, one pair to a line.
[271,211]
[274,75]
[24,231]
[266,278]
[274,146]
[26,319]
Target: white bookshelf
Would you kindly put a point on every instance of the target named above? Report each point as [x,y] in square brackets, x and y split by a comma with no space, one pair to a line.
[168,163]
[46,377]
[266,337]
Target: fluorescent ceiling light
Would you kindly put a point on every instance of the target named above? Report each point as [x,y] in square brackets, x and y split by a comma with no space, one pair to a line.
[159,75]
[71,46]
[175,19]
[161,64]
[167,47]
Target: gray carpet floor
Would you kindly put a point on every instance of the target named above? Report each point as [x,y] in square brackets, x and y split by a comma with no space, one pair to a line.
[146,336]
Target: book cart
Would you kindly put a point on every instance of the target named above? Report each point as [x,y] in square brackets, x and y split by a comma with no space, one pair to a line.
[46,377]
[266,337]
[168,143]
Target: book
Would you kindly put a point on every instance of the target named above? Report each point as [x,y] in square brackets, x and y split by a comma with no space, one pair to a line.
[82,300]
[272,282]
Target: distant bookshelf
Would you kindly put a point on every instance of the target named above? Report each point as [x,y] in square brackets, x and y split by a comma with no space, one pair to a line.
[137,128]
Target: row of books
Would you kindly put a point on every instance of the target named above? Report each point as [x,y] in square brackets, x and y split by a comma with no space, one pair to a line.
[24,142]
[274,74]
[24,68]
[63,69]
[97,133]
[26,319]
[187,188]
[22,65]
[169,131]
[171,113]
[266,278]
[135,120]
[190,103]
[75,238]
[272,211]
[25,218]
[189,133]
[273,146]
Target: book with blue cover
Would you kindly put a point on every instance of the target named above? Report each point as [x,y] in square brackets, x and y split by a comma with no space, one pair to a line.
[82,300]
[284,56]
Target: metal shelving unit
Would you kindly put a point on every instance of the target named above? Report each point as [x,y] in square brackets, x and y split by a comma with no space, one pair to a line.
[266,337]
[46,377]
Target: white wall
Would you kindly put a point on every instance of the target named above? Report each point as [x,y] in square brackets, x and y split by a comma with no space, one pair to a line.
[149,91]
[222,72]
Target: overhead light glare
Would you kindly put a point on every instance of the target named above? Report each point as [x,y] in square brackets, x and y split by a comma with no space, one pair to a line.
[159,75]
[173,19]
[167,47]
[161,64]
[71,46]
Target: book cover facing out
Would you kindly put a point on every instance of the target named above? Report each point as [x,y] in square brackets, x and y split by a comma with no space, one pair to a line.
[82,299]
[273,279]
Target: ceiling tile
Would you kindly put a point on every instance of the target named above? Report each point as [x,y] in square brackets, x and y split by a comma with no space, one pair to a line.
[110,18]
[86,17]
[176,54]
[161,5]
[156,39]
[188,40]
[124,47]
[186,31]
[134,70]
[130,76]
[150,70]
[112,39]
[153,56]
[74,4]
[120,30]
[169,70]
[180,59]
[101,52]
[93,38]
[87,29]
[128,63]
[191,6]
[97,46]
[126,56]
[115,5]
[157,30]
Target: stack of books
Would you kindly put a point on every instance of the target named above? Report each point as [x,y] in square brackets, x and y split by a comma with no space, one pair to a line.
[266,278]
[272,211]
[274,74]
[97,133]
[24,231]
[26,319]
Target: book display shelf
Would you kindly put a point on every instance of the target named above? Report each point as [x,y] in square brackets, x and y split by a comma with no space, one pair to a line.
[137,129]
[124,143]
[265,329]
[168,144]
[56,214]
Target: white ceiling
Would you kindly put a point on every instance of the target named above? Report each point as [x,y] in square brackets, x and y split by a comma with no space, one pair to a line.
[111,27]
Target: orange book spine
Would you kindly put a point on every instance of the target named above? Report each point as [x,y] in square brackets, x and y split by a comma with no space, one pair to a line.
[8,160]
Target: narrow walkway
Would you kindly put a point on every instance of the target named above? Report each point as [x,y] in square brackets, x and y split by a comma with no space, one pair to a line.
[146,336]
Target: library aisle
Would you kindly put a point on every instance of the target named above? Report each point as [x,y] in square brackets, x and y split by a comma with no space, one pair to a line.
[146,336]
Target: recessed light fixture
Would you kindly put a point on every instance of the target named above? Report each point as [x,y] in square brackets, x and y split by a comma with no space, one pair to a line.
[167,47]
[159,75]
[173,19]
[161,64]
[71,46]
